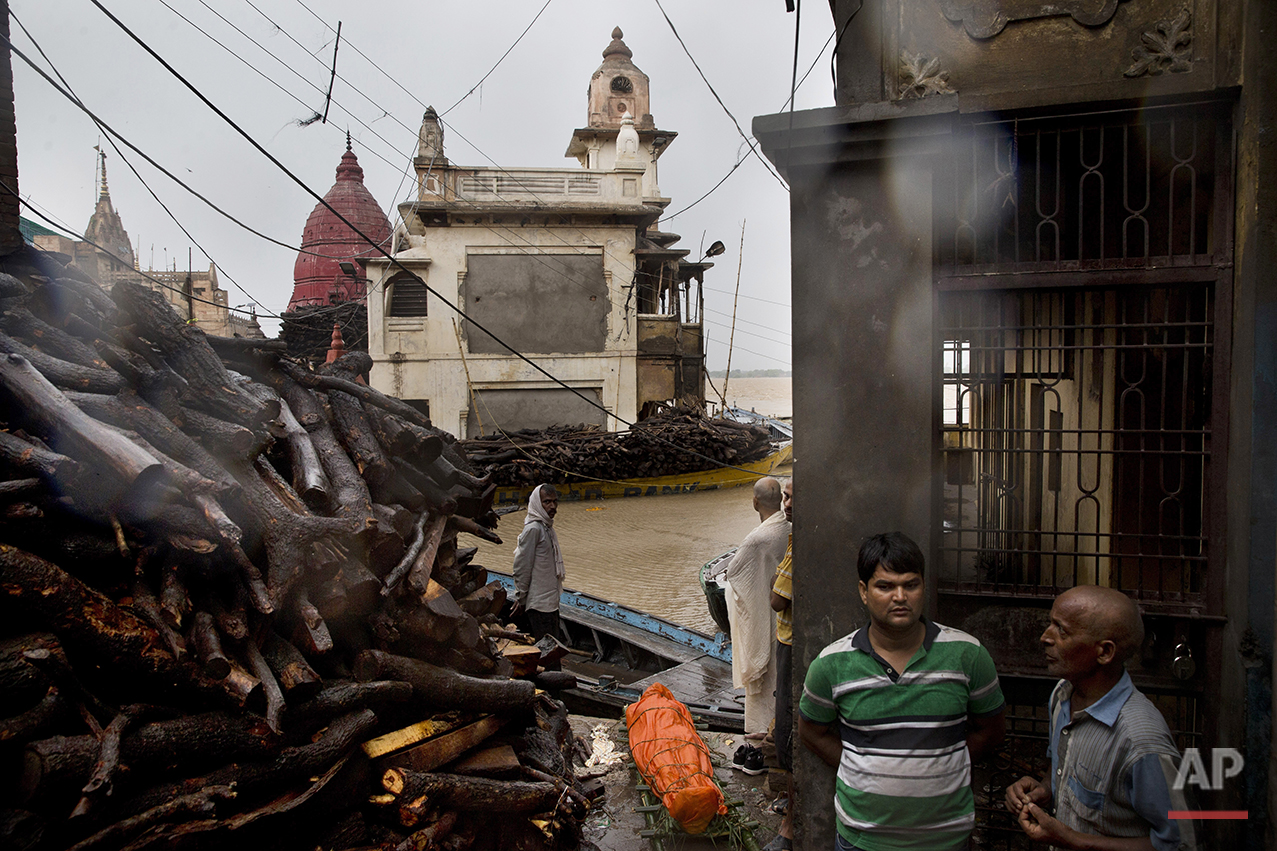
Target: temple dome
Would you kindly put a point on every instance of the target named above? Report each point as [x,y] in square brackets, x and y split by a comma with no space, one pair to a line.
[319,279]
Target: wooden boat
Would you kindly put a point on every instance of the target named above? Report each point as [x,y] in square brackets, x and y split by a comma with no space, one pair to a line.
[711,575]
[719,477]
[621,651]
[780,429]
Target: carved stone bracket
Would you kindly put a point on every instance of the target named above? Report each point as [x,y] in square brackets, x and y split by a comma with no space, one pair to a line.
[987,18]
[920,76]
[1168,48]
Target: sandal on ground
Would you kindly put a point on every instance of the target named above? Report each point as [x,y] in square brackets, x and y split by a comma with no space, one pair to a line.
[780,843]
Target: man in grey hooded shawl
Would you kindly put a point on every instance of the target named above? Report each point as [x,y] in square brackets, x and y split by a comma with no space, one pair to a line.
[538,564]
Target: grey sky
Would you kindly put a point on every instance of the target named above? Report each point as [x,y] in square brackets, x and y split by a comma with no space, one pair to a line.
[522,116]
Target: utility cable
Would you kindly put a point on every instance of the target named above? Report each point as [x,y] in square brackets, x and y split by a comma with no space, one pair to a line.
[375,245]
[499,61]
[752,146]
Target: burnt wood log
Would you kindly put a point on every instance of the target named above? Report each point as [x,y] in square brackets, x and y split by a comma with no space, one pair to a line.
[395,489]
[228,439]
[64,374]
[311,632]
[437,497]
[21,830]
[21,490]
[187,351]
[53,663]
[308,477]
[240,686]
[117,463]
[175,600]
[471,794]
[444,689]
[405,564]
[233,346]
[486,600]
[102,779]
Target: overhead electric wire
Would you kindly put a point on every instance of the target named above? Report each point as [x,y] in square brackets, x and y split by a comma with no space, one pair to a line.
[752,147]
[752,298]
[499,61]
[381,250]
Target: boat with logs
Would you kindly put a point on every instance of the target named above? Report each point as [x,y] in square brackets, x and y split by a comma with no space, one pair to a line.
[616,652]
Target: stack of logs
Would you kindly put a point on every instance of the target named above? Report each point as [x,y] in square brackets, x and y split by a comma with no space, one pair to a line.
[233,607]
[669,443]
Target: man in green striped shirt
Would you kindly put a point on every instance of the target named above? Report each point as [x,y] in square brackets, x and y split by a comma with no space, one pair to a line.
[901,707]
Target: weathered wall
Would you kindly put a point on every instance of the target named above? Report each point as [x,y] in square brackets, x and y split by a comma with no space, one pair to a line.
[10,238]
[540,408]
[862,308]
[537,303]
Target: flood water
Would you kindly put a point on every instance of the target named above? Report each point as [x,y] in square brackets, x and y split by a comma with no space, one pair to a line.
[646,552]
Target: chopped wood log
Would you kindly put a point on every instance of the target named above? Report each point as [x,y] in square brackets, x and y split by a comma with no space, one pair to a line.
[524,657]
[118,464]
[443,749]
[53,663]
[51,766]
[359,391]
[407,737]
[130,411]
[349,494]
[423,565]
[292,764]
[208,646]
[240,685]
[311,632]
[77,612]
[297,678]
[226,438]
[308,477]
[399,571]
[64,374]
[175,601]
[37,722]
[445,689]
[22,324]
[563,786]
[21,830]
[187,351]
[203,802]
[428,838]
[556,680]
[465,524]
[355,432]
[145,604]
[22,456]
[21,683]
[472,794]
[343,698]
[232,620]
[437,497]
[231,346]
[270,686]
[108,763]
[19,490]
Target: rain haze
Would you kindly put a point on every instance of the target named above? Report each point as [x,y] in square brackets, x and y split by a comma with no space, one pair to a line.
[267,65]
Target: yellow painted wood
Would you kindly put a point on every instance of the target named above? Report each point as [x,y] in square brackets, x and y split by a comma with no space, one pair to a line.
[408,736]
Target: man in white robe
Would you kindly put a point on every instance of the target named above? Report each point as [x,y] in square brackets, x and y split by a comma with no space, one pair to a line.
[749,584]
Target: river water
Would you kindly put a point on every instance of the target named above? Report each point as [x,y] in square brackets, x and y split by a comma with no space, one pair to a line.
[647,552]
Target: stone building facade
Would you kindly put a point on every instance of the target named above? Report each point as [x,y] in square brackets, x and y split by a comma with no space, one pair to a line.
[565,266]
[1035,321]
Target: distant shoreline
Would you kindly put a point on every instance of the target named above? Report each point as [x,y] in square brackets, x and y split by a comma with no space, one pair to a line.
[752,373]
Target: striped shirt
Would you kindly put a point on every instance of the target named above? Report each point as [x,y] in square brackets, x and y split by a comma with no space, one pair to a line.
[904,778]
[783,585]
[1113,766]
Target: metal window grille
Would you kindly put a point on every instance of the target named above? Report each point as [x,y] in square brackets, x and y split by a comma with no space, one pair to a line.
[408,297]
[1076,440]
[1133,189]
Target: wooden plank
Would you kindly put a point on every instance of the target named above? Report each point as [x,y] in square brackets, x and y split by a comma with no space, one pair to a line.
[406,737]
[499,762]
[429,755]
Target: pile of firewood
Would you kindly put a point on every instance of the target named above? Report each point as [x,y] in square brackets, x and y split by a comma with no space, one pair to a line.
[233,608]
[672,442]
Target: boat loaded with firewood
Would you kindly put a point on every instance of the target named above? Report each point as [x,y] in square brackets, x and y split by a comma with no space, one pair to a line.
[679,451]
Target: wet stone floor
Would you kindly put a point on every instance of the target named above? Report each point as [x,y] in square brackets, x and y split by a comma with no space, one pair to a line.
[614,825]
